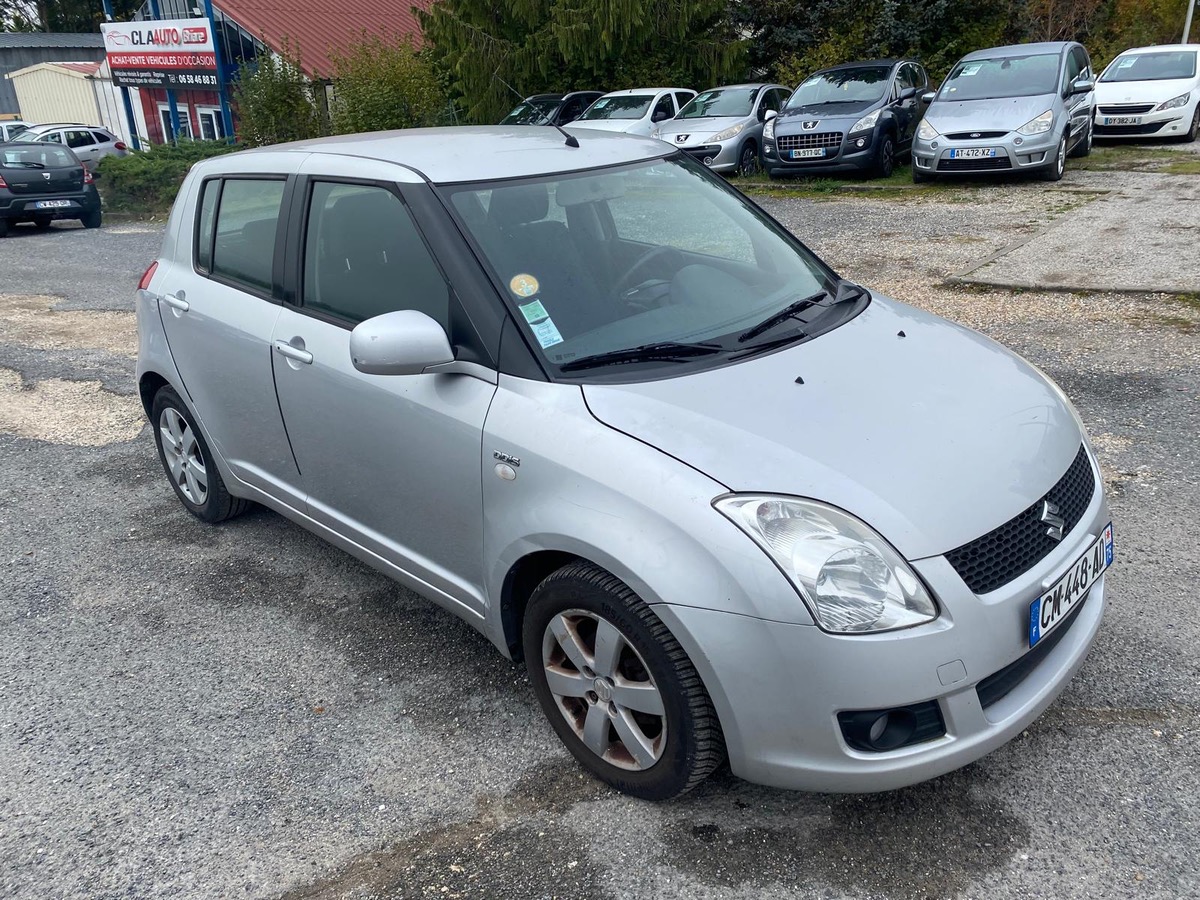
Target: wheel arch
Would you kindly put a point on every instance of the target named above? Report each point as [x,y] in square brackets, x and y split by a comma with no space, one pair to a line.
[520,582]
[149,384]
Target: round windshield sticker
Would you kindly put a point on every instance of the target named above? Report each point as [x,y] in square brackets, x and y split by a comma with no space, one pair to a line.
[524,285]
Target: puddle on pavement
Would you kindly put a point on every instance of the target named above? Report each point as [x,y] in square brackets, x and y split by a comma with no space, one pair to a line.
[30,320]
[77,413]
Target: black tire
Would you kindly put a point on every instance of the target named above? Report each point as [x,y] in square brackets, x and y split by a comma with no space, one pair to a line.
[1084,147]
[92,219]
[748,163]
[693,745]
[217,504]
[1190,134]
[1054,171]
[3,227]
[42,223]
[885,158]
[920,177]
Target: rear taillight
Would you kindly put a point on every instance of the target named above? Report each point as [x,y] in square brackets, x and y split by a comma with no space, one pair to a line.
[120,145]
[149,274]
[87,177]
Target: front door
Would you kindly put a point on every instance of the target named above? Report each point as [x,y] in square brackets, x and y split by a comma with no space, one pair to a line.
[390,462]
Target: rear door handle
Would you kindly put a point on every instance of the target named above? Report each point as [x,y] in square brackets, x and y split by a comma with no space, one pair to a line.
[176,302]
[300,356]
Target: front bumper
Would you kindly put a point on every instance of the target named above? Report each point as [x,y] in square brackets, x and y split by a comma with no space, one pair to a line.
[1014,153]
[778,688]
[720,156]
[1168,123]
[847,156]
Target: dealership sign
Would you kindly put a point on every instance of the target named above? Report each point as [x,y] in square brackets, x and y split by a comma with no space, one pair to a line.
[163,53]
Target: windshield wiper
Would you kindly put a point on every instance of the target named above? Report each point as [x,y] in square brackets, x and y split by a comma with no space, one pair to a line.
[663,351]
[27,164]
[783,315]
[773,344]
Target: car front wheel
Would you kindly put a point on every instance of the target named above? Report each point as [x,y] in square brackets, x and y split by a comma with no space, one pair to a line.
[1194,129]
[748,163]
[617,687]
[1054,171]
[885,157]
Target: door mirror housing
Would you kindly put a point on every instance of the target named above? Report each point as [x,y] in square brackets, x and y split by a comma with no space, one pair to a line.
[928,97]
[660,116]
[404,342]
[908,93]
[771,114]
[1083,86]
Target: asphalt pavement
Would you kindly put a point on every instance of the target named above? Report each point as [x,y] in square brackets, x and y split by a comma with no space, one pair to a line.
[196,712]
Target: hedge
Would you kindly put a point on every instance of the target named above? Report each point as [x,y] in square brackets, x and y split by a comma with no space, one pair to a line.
[145,183]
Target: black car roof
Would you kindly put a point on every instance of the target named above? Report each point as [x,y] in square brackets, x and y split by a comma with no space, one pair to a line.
[868,63]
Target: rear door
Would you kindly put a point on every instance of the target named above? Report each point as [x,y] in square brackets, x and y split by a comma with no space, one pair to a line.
[84,145]
[219,308]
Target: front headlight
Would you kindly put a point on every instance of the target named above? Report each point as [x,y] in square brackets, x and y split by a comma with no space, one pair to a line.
[925,131]
[867,122]
[1174,102]
[1040,125]
[769,129]
[852,580]
[731,131]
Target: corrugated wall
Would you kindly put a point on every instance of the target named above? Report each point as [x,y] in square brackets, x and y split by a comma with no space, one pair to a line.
[13,58]
[51,95]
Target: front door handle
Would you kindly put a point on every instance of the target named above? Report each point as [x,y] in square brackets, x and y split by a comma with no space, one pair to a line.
[176,302]
[300,356]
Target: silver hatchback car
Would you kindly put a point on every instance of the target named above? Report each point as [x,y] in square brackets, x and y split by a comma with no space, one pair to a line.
[594,401]
[1023,108]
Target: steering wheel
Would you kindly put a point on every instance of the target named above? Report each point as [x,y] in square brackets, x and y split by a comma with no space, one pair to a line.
[627,280]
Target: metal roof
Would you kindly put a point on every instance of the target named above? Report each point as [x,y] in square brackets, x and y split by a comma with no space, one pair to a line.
[22,39]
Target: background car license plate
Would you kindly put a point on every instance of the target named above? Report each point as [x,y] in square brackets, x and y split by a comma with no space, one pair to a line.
[1051,608]
[808,153]
[1122,120]
[972,153]
[52,204]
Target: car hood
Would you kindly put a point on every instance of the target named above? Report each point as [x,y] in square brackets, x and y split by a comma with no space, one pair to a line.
[1001,114]
[1142,91]
[928,431]
[824,111]
[698,129]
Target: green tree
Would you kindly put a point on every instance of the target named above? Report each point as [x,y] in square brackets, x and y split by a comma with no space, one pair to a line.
[487,46]
[60,15]
[277,103]
[382,84]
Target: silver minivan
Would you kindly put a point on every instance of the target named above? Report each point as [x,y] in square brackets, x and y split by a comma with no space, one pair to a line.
[721,501]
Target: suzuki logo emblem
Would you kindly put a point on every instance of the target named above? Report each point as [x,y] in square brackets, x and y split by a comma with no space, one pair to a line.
[809,126]
[1051,517]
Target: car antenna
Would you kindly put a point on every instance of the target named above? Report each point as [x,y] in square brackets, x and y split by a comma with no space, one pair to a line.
[571,140]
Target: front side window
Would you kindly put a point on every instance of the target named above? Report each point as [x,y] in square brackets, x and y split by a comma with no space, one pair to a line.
[531,112]
[1152,66]
[1007,76]
[626,106]
[859,84]
[664,108]
[247,219]
[363,256]
[660,251]
[738,102]
[50,137]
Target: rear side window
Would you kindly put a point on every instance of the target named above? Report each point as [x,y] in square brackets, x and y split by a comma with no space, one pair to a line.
[244,240]
[363,256]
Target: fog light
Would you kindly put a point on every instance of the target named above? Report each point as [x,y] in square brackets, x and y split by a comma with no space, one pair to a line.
[934,145]
[708,160]
[1018,140]
[861,142]
[881,730]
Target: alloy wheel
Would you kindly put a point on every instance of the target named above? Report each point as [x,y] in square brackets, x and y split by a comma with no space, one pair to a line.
[749,163]
[1060,162]
[185,461]
[604,690]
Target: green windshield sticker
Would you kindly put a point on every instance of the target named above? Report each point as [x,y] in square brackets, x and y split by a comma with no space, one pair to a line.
[547,334]
[534,312]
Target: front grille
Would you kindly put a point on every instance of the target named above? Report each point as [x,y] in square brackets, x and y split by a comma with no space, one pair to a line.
[1126,109]
[976,135]
[1151,128]
[806,140]
[1000,684]
[1019,544]
[987,164]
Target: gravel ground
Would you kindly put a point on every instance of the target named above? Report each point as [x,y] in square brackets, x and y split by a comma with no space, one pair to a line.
[245,711]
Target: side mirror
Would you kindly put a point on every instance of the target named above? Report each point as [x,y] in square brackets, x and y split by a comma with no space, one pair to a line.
[1083,86]
[908,93]
[928,97]
[771,114]
[660,116]
[405,342]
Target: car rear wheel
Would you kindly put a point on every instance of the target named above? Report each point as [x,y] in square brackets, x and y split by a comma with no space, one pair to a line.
[616,686]
[885,157]
[188,464]
[1084,147]
[3,227]
[748,163]
[1054,171]
[92,219]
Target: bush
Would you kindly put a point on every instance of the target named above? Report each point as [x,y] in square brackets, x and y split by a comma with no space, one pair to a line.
[146,183]
[380,85]
[276,103]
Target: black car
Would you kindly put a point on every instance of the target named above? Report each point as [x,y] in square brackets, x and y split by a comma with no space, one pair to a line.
[857,116]
[43,182]
[551,109]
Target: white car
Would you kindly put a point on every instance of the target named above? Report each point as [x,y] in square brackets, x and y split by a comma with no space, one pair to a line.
[9,129]
[90,143]
[635,111]
[1150,92]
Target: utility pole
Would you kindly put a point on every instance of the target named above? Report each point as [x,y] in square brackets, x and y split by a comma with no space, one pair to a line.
[1187,23]
[133,134]
[222,85]
[172,104]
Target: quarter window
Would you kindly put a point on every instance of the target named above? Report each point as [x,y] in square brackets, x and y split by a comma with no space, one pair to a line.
[210,192]
[363,256]
[247,218]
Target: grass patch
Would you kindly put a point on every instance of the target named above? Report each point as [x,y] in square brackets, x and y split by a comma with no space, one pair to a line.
[898,185]
[1128,158]
[1183,167]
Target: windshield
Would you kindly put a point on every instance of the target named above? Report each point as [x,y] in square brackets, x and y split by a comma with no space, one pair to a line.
[1152,66]
[731,102]
[531,112]
[649,254]
[627,106]
[39,156]
[862,84]
[1008,76]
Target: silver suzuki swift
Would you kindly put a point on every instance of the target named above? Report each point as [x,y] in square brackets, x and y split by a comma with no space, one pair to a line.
[583,394]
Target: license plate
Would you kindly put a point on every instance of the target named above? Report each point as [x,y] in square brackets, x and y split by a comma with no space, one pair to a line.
[973,153]
[52,204]
[1048,610]
[1122,120]
[809,153]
